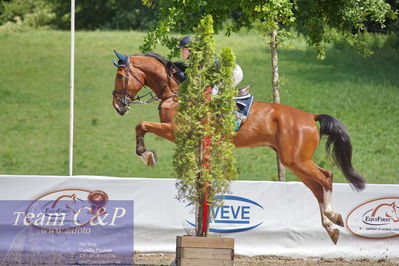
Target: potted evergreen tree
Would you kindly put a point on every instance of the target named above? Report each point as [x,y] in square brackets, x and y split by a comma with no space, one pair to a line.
[203,158]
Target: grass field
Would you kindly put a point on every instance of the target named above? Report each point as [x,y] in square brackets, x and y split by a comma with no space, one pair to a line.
[34,105]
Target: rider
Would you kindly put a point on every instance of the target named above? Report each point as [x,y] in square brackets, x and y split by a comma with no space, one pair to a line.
[184,46]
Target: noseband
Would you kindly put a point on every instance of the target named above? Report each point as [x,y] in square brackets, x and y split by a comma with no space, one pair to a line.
[127,99]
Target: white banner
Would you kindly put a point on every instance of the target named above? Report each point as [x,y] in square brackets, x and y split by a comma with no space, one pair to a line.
[264,218]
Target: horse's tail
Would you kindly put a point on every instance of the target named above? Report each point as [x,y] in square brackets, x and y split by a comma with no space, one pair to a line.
[342,148]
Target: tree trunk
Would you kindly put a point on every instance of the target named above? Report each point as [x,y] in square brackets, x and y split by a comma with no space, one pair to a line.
[276,92]
[202,219]
[199,226]
[202,222]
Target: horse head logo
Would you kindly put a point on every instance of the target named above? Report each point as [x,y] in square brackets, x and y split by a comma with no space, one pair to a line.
[71,204]
[389,210]
[66,209]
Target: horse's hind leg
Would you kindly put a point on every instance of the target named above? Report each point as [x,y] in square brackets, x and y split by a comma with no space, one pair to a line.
[298,160]
[327,200]
[295,148]
[321,187]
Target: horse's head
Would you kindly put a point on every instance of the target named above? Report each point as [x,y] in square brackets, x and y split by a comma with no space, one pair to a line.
[391,212]
[128,81]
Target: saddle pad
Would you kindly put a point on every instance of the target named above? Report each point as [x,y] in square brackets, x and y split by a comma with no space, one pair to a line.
[244,105]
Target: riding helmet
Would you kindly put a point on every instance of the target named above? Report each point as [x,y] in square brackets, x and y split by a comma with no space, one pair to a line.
[185,41]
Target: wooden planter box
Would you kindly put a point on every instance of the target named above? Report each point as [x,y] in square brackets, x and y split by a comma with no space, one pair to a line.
[201,251]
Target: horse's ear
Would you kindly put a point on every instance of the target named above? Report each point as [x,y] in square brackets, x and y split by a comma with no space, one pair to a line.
[123,60]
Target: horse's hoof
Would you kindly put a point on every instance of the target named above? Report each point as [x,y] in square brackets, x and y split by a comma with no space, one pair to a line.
[340,221]
[334,235]
[149,158]
[336,218]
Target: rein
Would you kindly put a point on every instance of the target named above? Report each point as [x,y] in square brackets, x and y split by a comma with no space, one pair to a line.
[153,98]
[127,99]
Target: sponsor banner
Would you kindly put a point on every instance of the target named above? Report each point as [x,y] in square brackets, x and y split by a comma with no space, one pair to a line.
[375,219]
[68,226]
[264,218]
[236,214]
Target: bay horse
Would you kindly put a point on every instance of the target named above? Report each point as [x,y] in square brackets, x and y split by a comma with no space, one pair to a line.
[291,132]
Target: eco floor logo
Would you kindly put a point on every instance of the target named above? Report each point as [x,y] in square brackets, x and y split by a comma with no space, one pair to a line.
[69,226]
[375,219]
[237,214]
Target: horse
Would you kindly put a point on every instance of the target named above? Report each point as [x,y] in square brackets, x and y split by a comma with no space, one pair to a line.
[292,133]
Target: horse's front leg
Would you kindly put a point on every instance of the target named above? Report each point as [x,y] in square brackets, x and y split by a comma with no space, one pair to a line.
[163,130]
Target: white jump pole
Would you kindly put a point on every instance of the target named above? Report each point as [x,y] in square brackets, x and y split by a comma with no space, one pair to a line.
[72,88]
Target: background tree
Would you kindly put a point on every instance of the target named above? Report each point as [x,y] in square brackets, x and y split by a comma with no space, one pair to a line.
[21,15]
[128,14]
[270,18]
[90,14]
[316,18]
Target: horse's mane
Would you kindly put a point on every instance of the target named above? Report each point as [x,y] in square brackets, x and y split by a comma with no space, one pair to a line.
[180,65]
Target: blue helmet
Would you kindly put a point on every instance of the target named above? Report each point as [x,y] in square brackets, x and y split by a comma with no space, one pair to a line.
[185,41]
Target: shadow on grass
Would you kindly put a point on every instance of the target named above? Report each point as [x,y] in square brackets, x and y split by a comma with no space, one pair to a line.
[344,64]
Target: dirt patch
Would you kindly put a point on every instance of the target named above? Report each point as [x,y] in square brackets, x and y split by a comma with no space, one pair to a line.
[159,259]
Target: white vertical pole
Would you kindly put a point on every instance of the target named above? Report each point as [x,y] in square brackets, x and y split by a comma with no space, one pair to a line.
[72,88]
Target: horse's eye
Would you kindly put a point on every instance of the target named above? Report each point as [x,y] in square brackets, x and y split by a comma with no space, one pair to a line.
[119,76]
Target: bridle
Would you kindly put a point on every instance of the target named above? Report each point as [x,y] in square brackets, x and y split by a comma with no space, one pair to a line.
[127,99]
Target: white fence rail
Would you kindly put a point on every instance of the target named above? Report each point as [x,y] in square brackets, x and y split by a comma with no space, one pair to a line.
[265,218]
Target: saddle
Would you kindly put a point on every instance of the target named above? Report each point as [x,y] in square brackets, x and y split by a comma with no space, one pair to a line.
[244,103]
